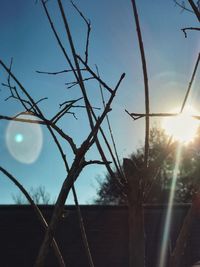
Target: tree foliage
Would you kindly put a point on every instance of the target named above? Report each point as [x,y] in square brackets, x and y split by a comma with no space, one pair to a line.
[187,183]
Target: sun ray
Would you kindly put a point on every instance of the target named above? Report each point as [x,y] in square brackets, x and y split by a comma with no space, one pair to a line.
[165,239]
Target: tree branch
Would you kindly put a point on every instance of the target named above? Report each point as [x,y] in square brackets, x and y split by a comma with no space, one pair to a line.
[88,23]
[94,74]
[189,29]
[56,72]
[37,211]
[195,9]
[43,122]
[191,82]
[183,6]
[145,76]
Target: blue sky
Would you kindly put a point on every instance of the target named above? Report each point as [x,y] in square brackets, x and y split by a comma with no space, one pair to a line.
[27,37]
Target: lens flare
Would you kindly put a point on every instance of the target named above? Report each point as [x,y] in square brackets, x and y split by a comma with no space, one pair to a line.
[24,140]
[165,239]
[19,138]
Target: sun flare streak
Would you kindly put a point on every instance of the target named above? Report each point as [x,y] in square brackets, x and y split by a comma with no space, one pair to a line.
[165,239]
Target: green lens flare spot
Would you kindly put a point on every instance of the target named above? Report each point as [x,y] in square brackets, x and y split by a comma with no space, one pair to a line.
[19,138]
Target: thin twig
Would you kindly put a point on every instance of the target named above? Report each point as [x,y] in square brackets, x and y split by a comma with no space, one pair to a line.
[88,23]
[109,169]
[117,164]
[39,113]
[22,101]
[189,29]
[79,77]
[93,133]
[136,116]
[56,72]
[190,83]
[94,74]
[58,39]
[183,6]
[64,110]
[72,84]
[43,122]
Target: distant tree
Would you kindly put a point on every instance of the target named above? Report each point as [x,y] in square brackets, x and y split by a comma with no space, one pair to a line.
[110,193]
[38,194]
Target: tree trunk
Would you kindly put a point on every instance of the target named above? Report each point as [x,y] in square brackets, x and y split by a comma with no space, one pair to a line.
[136,236]
[136,216]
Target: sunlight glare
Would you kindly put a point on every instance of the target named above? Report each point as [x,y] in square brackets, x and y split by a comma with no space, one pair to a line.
[182,127]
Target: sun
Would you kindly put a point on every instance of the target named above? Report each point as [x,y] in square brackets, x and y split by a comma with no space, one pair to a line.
[183,127]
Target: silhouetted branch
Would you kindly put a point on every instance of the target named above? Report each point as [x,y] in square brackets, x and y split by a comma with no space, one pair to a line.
[39,113]
[78,106]
[72,84]
[189,29]
[37,211]
[13,90]
[94,74]
[62,194]
[76,168]
[82,227]
[98,162]
[64,110]
[81,83]
[88,23]
[191,82]
[136,116]
[195,9]
[79,161]
[182,5]
[116,162]
[106,110]
[145,75]
[109,169]
[42,122]
[22,88]
[58,39]
[57,72]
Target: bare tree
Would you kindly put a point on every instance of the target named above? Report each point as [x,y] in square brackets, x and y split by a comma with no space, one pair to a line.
[78,66]
[38,194]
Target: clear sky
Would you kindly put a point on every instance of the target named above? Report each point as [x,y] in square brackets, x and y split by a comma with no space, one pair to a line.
[26,36]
